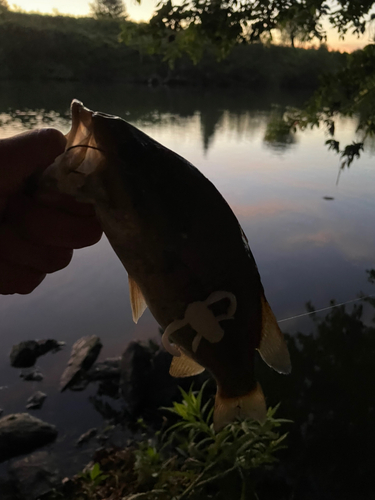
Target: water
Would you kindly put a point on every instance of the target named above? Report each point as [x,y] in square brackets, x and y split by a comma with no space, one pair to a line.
[307,248]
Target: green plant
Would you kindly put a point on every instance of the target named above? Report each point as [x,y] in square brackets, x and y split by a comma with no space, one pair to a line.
[94,476]
[189,459]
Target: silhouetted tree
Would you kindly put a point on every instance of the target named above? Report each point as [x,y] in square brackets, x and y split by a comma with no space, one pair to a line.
[113,9]
[191,26]
[3,6]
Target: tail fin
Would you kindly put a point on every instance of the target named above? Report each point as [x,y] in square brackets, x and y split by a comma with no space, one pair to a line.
[251,405]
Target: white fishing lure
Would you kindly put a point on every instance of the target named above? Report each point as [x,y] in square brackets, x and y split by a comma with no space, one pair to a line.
[202,320]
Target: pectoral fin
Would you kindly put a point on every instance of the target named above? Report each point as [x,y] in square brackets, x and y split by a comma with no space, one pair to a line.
[251,405]
[137,301]
[272,347]
[184,366]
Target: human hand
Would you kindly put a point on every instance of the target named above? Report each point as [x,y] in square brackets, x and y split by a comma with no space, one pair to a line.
[37,233]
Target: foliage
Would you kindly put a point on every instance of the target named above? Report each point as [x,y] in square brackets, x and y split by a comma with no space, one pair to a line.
[4,7]
[371,275]
[294,25]
[189,459]
[85,49]
[94,476]
[108,9]
[351,92]
[38,47]
[189,26]
[278,131]
[329,398]
[184,460]
[193,26]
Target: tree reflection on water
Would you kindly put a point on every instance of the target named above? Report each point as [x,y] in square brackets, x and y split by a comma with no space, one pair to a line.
[40,105]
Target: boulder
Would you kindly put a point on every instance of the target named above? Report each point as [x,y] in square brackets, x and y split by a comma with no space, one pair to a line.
[107,369]
[36,400]
[107,372]
[22,433]
[84,354]
[7,489]
[136,365]
[32,374]
[35,475]
[146,384]
[84,438]
[163,387]
[24,354]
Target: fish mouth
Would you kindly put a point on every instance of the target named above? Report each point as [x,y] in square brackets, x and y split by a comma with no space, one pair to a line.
[81,137]
[81,159]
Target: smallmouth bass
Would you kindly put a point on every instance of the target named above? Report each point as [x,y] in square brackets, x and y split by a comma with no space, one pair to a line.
[185,253]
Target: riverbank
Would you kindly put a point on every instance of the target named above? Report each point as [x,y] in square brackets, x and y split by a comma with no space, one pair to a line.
[174,453]
[45,48]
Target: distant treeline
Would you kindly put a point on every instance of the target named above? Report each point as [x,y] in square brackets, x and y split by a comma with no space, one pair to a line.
[40,47]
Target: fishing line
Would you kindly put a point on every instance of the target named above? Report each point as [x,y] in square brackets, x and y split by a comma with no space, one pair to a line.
[84,146]
[326,308]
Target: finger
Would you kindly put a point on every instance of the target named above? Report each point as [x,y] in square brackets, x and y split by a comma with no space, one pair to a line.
[23,154]
[48,226]
[45,259]
[18,279]
[55,199]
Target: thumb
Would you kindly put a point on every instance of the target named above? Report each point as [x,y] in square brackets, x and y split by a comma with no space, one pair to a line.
[23,154]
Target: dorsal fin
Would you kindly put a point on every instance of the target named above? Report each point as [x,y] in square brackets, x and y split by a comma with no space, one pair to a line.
[137,301]
[184,366]
[272,347]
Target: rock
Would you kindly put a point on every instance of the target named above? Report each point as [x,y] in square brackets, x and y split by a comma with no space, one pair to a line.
[32,375]
[145,382]
[36,400]
[24,354]
[22,433]
[163,387]
[35,475]
[109,368]
[79,383]
[7,489]
[48,345]
[115,436]
[83,355]
[107,372]
[87,436]
[136,364]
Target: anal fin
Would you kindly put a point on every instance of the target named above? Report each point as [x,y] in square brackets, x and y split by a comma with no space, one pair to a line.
[137,301]
[251,405]
[272,347]
[184,366]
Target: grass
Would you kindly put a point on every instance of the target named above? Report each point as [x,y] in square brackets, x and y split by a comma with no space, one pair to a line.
[186,460]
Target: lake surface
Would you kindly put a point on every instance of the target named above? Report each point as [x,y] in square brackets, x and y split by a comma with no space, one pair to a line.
[313,238]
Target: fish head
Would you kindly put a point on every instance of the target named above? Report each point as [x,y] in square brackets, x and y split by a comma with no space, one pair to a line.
[81,158]
[95,157]
[121,171]
[110,163]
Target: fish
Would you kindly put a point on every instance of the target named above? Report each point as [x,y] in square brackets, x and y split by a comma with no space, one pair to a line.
[187,258]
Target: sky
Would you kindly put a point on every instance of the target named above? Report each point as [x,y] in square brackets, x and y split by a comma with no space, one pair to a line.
[143,12]
[136,11]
